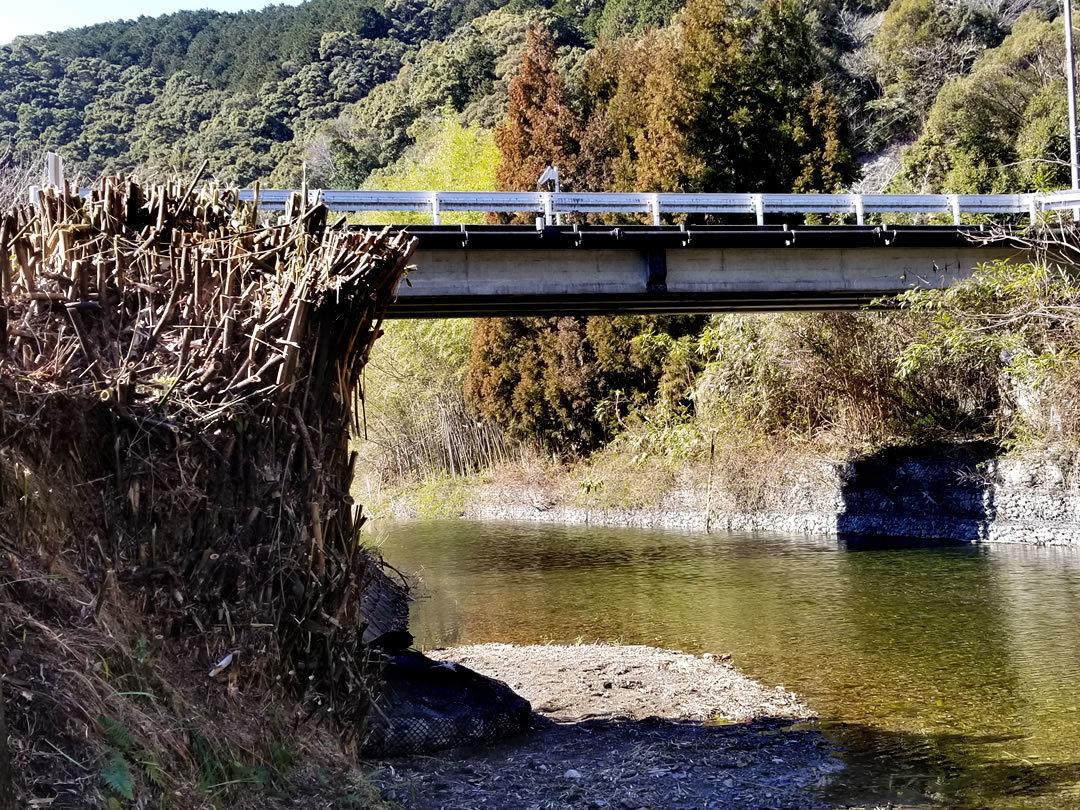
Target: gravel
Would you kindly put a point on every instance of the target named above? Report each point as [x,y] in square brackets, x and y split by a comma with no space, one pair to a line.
[628,728]
[575,682]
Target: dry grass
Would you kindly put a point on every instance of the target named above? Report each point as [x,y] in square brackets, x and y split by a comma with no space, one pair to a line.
[176,390]
[15,179]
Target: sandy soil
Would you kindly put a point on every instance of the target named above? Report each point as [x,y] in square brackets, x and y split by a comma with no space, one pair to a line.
[578,682]
[624,727]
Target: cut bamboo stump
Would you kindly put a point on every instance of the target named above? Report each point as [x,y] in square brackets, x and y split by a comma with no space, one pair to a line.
[217,362]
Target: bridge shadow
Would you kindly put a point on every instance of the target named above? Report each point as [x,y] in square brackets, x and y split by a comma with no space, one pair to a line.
[947,769]
[770,762]
[933,493]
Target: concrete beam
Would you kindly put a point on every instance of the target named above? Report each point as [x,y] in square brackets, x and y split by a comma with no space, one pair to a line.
[464,282]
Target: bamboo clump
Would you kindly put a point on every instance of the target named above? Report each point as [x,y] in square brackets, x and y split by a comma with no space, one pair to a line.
[197,374]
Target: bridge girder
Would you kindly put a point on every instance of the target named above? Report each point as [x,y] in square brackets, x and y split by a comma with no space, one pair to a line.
[500,271]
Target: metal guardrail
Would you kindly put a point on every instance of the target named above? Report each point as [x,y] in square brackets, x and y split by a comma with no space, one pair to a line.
[550,204]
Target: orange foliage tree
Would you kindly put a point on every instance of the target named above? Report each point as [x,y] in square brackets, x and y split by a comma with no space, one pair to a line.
[730,96]
[541,127]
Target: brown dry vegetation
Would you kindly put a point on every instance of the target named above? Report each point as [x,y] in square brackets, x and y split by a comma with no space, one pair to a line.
[176,393]
[15,179]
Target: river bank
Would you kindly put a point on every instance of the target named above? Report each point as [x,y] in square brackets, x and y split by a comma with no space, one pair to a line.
[626,727]
[959,492]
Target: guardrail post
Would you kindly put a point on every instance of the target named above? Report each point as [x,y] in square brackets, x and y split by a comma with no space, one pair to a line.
[436,215]
[759,208]
[549,217]
[1033,209]
[654,204]
[54,169]
[954,204]
[860,212]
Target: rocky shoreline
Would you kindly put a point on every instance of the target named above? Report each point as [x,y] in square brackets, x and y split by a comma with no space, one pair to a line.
[953,493]
[625,727]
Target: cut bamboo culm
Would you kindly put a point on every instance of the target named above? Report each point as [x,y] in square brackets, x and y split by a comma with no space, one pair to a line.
[219,363]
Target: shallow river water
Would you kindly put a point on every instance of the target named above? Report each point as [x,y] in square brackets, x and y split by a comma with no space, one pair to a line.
[949,676]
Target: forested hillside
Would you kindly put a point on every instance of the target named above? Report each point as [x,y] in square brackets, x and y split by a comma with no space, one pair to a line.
[339,83]
[647,102]
[667,95]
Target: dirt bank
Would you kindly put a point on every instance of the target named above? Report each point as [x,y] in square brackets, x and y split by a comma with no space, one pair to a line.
[624,727]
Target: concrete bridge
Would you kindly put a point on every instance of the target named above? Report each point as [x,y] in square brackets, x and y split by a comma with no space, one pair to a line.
[762,264]
[554,270]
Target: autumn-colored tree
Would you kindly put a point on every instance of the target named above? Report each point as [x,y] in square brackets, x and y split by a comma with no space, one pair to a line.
[536,377]
[729,97]
[543,379]
[541,127]
[691,93]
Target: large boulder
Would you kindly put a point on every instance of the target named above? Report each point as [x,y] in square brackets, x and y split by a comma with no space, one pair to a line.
[425,705]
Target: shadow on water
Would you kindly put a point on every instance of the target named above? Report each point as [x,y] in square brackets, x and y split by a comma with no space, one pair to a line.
[939,493]
[941,769]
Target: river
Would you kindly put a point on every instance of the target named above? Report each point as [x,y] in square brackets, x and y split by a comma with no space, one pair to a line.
[948,675]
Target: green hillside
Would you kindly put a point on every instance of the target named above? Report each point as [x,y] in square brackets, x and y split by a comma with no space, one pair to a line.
[158,93]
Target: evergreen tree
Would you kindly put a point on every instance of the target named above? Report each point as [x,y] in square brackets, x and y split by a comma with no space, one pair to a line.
[540,128]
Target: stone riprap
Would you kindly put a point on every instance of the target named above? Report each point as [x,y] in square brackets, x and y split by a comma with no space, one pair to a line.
[963,493]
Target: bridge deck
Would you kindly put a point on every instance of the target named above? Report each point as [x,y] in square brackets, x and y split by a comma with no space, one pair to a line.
[549,269]
[505,270]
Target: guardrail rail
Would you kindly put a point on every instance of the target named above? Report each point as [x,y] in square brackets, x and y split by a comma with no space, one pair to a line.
[548,205]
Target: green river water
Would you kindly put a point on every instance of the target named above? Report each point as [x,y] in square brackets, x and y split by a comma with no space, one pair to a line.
[949,676]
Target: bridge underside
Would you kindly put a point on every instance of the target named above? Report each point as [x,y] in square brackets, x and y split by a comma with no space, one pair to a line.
[498,306]
[496,271]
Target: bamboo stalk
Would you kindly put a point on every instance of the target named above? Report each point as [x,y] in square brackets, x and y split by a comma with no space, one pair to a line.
[5,258]
[201,336]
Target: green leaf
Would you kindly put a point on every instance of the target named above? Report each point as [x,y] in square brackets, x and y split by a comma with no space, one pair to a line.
[155,774]
[117,775]
[116,733]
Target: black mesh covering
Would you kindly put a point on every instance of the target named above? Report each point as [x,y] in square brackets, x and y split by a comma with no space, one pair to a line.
[424,705]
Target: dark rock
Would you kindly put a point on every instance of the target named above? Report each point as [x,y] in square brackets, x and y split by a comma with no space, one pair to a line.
[384,605]
[392,641]
[424,705]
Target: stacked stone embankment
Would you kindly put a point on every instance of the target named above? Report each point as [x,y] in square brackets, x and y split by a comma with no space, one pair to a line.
[949,493]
